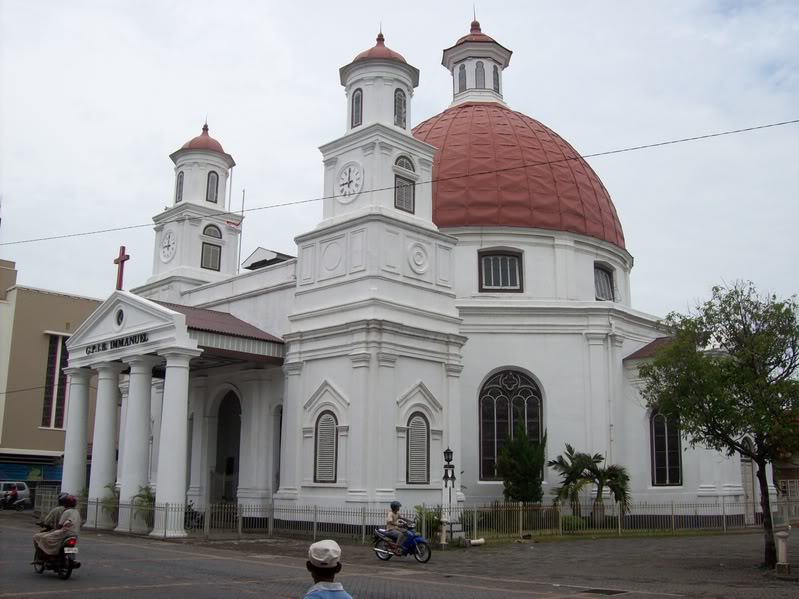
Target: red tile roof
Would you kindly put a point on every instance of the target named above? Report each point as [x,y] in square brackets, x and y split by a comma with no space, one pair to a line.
[202,319]
[650,349]
[497,167]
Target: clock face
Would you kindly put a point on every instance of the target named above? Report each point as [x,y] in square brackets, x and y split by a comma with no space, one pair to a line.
[169,243]
[350,182]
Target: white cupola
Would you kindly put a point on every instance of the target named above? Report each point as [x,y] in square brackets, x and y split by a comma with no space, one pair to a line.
[201,171]
[476,62]
[379,84]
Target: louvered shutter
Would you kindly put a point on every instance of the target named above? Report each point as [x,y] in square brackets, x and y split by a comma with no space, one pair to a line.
[418,458]
[403,194]
[326,449]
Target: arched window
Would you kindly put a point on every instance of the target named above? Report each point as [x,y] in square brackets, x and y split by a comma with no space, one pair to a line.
[418,450]
[666,457]
[496,78]
[400,108]
[179,187]
[404,187]
[212,231]
[500,271]
[462,78]
[326,448]
[356,117]
[603,283]
[212,188]
[211,258]
[479,75]
[507,399]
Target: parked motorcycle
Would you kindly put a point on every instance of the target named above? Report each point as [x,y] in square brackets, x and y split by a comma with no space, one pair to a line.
[61,563]
[8,504]
[414,544]
[193,519]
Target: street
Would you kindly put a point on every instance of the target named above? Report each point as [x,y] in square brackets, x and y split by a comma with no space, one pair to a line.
[118,566]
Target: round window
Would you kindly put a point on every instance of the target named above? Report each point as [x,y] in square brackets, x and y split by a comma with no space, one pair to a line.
[120,317]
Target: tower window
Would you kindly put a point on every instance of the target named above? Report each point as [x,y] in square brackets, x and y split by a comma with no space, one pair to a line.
[418,450]
[496,78]
[357,108]
[404,187]
[211,257]
[405,162]
[400,108]
[212,188]
[603,283]
[55,383]
[500,271]
[479,75]
[462,78]
[326,454]
[179,187]
[212,231]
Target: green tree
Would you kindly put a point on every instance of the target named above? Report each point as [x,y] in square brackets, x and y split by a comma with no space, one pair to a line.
[521,465]
[580,470]
[730,373]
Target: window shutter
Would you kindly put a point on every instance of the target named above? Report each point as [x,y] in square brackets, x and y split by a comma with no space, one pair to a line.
[326,449]
[213,184]
[480,75]
[462,79]
[418,471]
[357,108]
[399,108]
[603,282]
[403,194]
[496,79]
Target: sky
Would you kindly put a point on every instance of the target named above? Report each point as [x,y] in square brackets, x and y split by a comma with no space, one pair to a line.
[95,95]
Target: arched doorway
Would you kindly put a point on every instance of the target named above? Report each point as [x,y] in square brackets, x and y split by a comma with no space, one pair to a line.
[749,482]
[225,481]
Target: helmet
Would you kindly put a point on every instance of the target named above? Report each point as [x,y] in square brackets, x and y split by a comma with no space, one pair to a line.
[395,505]
[70,501]
[62,497]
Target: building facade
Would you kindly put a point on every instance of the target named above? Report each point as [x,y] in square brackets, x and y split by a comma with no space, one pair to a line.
[416,317]
[34,327]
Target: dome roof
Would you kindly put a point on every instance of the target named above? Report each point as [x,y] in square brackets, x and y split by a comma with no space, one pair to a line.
[379,51]
[475,35]
[203,142]
[478,179]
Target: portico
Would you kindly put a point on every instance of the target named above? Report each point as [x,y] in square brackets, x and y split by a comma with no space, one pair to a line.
[153,351]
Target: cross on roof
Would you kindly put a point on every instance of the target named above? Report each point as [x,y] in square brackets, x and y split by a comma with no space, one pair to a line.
[120,262]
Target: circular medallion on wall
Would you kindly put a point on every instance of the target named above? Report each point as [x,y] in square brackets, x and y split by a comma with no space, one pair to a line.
[349,182]
[331,256]
[418,259]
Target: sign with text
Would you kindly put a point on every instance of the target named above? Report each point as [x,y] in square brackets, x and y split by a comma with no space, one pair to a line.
[117,343]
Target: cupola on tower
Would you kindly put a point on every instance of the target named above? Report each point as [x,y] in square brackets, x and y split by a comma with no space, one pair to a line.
[196,239]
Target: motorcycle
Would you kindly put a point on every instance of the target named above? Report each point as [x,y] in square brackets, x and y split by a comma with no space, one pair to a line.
[8,504]
[414,544]
[193,519]
[61,563]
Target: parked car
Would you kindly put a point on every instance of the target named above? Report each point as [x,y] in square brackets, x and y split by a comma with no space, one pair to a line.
[23,489]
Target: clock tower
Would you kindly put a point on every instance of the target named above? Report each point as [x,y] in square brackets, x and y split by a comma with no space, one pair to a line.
[196,238]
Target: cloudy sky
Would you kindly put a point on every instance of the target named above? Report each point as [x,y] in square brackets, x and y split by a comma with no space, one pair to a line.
[94,96]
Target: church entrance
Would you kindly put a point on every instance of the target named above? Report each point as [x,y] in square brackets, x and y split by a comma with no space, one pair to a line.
[225,477]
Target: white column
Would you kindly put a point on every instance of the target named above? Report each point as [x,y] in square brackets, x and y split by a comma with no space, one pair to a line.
[174,435]
[103,471]
[198,441]
[137,441]
[123,409]
[73,479]
[453,424]
[290,457]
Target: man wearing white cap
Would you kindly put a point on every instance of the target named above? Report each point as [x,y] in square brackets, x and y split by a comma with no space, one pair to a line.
[324,562]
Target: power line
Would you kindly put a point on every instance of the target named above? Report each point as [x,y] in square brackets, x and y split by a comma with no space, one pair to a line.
[438,180]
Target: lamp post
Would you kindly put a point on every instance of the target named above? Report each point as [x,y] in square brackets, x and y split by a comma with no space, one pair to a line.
[449,483]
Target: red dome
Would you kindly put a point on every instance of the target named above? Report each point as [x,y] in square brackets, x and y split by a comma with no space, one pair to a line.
[203,142]
[475,35]
[477,182]
[380,51]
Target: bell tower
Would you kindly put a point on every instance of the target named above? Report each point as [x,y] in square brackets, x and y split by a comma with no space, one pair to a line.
[196,239]
[376,166]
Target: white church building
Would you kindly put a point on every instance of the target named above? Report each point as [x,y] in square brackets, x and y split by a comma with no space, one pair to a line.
[414,318]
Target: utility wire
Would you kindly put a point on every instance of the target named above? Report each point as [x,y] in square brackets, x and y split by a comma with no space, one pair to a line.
[438,180]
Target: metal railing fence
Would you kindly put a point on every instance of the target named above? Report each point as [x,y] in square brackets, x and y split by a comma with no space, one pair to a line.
[499,520]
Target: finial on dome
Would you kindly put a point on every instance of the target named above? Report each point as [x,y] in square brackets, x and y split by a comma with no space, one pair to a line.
[475,27]
[205,127]
[380,38]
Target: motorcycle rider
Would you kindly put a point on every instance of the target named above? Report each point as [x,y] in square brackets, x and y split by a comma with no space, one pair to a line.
[11,496]
[51,520]
[48,544]
[395,524]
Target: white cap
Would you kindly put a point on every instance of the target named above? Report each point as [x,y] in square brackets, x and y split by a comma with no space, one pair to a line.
[324,554]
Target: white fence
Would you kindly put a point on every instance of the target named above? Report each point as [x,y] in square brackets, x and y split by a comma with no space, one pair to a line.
[493,521]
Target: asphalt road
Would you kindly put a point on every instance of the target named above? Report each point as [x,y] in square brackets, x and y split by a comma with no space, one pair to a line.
[117,566]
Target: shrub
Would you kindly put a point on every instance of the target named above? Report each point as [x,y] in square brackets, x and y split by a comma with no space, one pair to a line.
[570,523]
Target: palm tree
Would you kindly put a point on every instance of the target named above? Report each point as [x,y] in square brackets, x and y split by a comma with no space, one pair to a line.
[579,470]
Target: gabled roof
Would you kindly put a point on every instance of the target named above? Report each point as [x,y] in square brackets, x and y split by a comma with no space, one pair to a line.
[650,349]
[202,319]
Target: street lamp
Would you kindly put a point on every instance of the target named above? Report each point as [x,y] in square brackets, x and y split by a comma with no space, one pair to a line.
[449,483]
